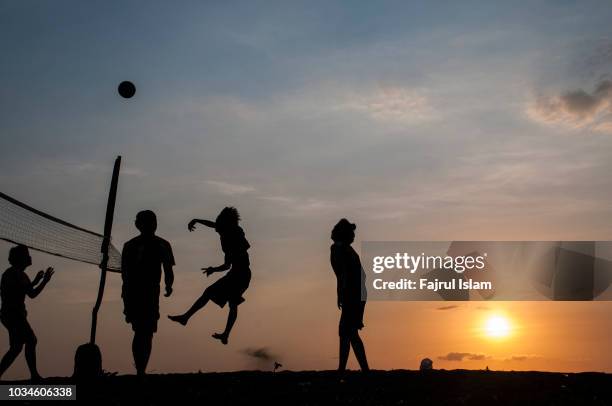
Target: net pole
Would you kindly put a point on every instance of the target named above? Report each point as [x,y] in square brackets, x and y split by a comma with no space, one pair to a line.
[108,226]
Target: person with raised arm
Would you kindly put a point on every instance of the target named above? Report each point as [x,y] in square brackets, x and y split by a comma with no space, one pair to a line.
[231,286]
[14,287]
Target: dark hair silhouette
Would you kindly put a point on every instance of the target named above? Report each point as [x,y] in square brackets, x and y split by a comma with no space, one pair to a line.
[19,255]
[146,222]
[343,231]
[229,217]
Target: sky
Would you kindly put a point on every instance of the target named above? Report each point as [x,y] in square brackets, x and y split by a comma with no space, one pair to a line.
[471,120]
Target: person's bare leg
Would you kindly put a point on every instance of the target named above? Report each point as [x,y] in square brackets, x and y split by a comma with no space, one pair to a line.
[141,349]
[10,356]
[359,351]
[198,304]
[345,346]
[231,319]
[30,356]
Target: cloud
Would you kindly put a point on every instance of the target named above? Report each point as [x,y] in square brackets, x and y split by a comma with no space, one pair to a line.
[450,307]
[301,205]
[605,127]
[231,188]
[133,171]
[393,104]
[460,356]
[593,58]
[386,104]
[521,357]
[260,358]
[95,168]
[463,356]
[260,354]
[576,108]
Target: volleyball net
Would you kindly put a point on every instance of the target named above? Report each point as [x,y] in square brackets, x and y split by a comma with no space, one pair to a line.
[22,224]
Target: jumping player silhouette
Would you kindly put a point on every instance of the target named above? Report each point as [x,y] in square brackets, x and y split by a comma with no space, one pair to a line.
[230,287]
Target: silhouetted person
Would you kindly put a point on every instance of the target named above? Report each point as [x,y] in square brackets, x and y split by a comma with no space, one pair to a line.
[351,293]
[15,285]
[142,260]
[230,287]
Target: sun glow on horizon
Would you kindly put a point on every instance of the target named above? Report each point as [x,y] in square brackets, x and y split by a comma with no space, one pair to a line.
[497,326]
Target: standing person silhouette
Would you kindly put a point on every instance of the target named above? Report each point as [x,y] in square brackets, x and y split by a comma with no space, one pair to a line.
[351,291]
[14,287]
[142,260]
[230,287]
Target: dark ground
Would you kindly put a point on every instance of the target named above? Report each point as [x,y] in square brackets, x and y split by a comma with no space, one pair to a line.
[399,387]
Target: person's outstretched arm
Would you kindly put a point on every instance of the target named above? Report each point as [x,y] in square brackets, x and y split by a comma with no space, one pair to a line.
[221,268]
[207,223]
[168,278]
[168,263]
[339,266]
[125,269]
[35,290]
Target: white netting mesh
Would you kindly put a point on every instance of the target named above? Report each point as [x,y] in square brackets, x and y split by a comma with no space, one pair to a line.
[21,224]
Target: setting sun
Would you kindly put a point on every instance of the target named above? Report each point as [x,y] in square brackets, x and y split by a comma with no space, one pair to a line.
[497,327]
